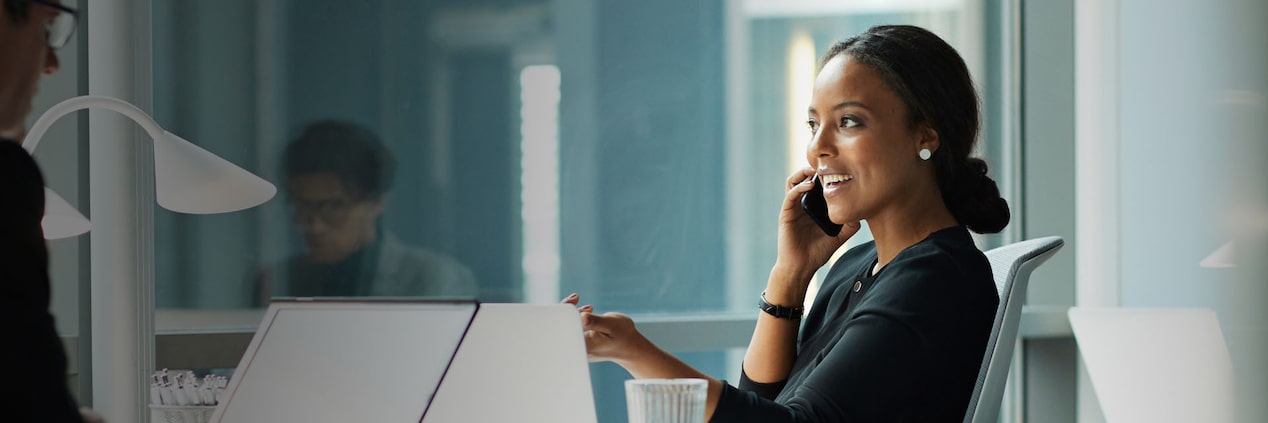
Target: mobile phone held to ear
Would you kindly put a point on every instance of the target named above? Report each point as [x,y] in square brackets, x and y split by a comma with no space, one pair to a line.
[815,206]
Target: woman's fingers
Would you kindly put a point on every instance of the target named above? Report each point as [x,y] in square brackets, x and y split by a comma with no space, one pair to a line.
[572,298]
[607,336]
[797,190]
[595,342]
[610,323]
[801,175]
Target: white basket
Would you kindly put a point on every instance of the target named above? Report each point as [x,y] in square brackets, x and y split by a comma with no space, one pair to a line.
[181,413]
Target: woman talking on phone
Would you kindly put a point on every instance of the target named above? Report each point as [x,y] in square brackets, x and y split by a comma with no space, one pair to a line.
[900,325]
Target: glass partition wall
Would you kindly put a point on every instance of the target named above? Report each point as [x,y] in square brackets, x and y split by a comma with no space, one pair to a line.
[515,150]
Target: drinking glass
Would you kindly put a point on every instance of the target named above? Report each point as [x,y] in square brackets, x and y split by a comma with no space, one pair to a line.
[665,400]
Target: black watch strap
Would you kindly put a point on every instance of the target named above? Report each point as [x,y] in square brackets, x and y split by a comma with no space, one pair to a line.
[790,313]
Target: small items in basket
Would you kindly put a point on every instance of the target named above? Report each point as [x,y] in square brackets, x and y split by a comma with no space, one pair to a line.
[182,398]
[181,414]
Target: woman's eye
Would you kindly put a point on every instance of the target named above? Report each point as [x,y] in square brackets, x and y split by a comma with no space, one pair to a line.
[814,126]
[848,122]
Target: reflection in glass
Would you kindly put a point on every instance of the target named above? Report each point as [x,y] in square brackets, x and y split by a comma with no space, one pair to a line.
[336,175]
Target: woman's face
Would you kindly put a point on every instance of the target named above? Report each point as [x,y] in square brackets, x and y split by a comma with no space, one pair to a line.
[862,143]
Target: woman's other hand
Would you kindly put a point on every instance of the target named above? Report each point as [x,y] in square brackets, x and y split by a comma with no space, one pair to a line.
[609,336]
[573,299]
[613,337]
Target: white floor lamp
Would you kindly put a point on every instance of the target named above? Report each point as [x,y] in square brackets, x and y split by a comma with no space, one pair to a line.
[187,179]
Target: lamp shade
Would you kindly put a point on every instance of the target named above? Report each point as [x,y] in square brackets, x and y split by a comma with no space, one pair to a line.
[61,220]
[1221,258]
[189,179]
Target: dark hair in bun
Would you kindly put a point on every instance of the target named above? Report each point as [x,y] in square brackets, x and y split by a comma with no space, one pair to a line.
[934,83]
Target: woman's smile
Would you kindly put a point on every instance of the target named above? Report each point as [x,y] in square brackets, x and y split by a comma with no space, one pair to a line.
[832,183]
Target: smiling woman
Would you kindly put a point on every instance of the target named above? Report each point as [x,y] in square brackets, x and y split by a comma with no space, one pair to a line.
[900,326]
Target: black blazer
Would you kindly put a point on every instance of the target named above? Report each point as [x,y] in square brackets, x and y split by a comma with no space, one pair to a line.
[35,388]
[906,346]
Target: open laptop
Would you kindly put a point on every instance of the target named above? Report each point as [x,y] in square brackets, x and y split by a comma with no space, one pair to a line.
[1156,365]
[431,361]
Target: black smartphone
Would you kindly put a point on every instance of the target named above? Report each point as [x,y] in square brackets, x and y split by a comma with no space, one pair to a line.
[815,206]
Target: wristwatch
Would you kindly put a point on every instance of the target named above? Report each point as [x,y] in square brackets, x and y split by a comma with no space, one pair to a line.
[790,313]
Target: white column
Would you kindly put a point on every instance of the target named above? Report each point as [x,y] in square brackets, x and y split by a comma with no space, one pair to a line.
[121,206]
[1097,144]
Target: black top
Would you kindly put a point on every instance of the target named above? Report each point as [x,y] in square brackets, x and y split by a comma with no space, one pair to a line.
[905,347]
[34,387]
[351,277]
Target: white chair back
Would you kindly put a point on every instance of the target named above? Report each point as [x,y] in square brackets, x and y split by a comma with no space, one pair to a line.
[1011,265]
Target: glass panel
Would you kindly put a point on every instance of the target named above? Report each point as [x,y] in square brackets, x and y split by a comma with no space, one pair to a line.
[512,150]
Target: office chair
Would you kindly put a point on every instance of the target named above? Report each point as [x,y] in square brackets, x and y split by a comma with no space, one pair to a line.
[1011,265]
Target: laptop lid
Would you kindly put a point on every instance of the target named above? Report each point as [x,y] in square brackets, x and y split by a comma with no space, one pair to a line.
[345,360]
[519,363]
[1154,365]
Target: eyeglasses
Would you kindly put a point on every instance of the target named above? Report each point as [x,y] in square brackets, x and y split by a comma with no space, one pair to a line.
[328,211]
[62,26]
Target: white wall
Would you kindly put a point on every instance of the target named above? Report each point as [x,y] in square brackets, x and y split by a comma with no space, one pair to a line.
[1192,73]
[1174,157]
[1187,103]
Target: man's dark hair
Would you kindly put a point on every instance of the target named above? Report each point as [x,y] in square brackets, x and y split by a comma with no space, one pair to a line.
[16,10]
[350,151]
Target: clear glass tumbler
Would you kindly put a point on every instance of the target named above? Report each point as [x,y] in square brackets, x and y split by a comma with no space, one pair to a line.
[665,400]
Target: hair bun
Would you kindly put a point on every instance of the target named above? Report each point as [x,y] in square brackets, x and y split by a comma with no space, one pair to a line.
[977,203]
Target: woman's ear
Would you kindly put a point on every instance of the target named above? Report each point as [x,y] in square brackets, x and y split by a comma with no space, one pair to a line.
[927,137]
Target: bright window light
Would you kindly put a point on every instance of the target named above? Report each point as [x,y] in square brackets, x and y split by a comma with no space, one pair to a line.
[539,145]
[800,80]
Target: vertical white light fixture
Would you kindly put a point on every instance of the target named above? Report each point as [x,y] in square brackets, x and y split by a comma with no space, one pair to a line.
[800,81]
[539,158]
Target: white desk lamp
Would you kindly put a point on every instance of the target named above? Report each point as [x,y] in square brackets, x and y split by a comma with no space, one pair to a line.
[1220,258]
[187,179]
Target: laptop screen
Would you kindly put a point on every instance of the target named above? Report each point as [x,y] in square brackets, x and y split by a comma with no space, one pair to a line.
[345,361]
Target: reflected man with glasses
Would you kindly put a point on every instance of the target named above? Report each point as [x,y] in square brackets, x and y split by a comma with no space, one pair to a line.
[336,176]
[35,386]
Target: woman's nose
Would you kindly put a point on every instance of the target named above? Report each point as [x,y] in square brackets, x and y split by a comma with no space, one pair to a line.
[820,145]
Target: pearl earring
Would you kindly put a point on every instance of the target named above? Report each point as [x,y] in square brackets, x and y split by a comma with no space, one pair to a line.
[925,154]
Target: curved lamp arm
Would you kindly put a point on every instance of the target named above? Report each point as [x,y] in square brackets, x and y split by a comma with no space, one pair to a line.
[74,104]
[187,178]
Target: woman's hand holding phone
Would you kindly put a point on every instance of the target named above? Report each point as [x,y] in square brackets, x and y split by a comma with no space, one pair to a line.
[803,244]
